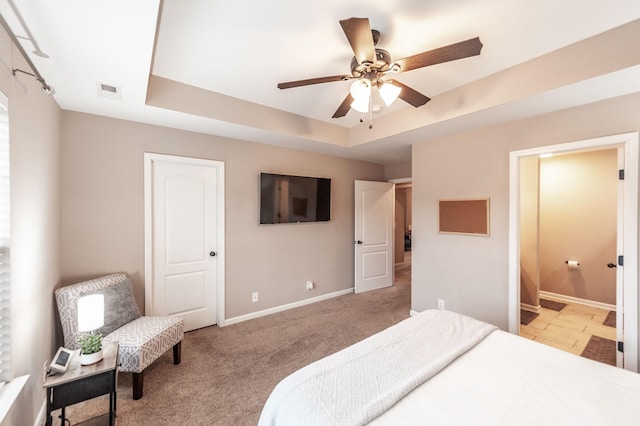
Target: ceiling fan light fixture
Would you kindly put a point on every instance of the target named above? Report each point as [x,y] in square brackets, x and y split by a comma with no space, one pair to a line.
[370,65]
[389,92]
[360,105]
[361,89]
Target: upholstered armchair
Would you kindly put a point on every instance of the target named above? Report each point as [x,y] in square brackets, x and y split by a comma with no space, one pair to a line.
[142,339]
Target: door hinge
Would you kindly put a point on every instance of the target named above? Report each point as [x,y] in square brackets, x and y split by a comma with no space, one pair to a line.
[620,346]
[621,174]
[621,260]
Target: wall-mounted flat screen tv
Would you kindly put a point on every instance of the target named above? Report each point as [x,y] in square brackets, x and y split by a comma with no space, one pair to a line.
[293,199]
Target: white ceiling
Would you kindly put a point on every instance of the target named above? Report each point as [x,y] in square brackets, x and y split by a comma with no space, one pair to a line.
[242,49]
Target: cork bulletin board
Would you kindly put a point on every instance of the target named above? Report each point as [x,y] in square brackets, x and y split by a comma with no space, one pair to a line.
[464,216]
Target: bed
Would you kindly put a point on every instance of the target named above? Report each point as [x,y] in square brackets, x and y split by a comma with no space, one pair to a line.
[439,367]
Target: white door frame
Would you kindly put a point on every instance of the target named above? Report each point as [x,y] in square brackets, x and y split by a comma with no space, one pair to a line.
[629,142]
[149,159]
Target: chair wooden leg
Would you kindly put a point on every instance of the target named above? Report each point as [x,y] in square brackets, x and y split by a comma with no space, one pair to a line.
[138,381]
[138,378]
[177,353]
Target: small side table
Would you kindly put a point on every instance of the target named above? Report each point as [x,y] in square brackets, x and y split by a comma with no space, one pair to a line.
[82,382]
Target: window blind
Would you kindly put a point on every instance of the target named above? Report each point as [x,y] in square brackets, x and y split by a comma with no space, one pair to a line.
[5,245]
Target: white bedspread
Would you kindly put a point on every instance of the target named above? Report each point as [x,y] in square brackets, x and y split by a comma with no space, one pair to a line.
[357,384]
[510,380]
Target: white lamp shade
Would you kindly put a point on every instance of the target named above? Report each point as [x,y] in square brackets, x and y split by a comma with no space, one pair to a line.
[361,89]
[90,312]
[389,93]
[361,105]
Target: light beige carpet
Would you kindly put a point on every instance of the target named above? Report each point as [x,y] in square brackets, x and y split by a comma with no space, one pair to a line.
[227,373]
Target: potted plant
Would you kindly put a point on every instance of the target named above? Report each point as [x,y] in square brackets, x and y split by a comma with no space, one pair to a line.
[90,348]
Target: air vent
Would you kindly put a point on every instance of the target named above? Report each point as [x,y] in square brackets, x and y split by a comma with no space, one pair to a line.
[108,91]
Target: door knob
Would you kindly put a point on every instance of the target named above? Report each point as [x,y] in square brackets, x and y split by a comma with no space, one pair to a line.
[358,242]
[212,253]
[611,265]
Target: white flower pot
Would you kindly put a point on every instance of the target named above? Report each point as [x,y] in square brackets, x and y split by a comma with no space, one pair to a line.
[91,358]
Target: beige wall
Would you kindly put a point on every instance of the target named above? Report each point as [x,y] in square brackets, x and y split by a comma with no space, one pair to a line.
[568,212]
[397,170]
[34,135]
[578,200]
[103,211]
[529,231]
[476,164]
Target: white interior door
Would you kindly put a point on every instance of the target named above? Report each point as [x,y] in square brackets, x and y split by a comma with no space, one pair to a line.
[373,235]
[186,240]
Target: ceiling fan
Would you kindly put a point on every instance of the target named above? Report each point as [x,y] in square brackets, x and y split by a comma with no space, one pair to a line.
[370,66]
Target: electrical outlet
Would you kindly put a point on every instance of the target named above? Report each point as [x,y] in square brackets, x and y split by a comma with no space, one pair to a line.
[440,303]
[310,285]
[254,297]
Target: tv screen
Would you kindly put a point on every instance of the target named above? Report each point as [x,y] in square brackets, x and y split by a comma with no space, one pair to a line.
[293,199]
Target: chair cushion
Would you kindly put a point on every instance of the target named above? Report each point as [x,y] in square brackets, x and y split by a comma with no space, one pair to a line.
[144,339]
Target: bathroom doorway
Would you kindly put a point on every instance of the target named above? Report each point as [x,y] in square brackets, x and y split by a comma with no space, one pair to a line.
[568,210]
[626,149]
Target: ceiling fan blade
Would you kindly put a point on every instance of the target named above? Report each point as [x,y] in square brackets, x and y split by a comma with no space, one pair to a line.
[358,32]
[310,81]
[460,50]
[409,95]
[344,107]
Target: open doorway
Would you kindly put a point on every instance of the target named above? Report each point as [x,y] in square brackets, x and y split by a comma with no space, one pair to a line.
[568,251]
[402,234]
[626,148]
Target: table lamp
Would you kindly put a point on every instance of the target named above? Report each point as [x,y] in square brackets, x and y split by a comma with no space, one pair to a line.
[91,318]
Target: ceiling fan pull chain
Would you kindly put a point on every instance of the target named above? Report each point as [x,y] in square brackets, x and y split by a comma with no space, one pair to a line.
[370,112]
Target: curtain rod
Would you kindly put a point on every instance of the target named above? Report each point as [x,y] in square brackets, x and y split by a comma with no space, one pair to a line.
[45,87]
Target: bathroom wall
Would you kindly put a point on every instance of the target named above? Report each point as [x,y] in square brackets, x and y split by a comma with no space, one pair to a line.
[529,231]
[578,204]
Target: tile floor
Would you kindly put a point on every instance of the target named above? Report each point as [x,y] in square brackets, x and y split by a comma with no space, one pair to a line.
[569,329]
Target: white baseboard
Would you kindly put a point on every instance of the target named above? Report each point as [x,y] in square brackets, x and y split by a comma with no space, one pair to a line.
[570,299]
[41,419]
[412,312]
[531,308]
[276,309]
